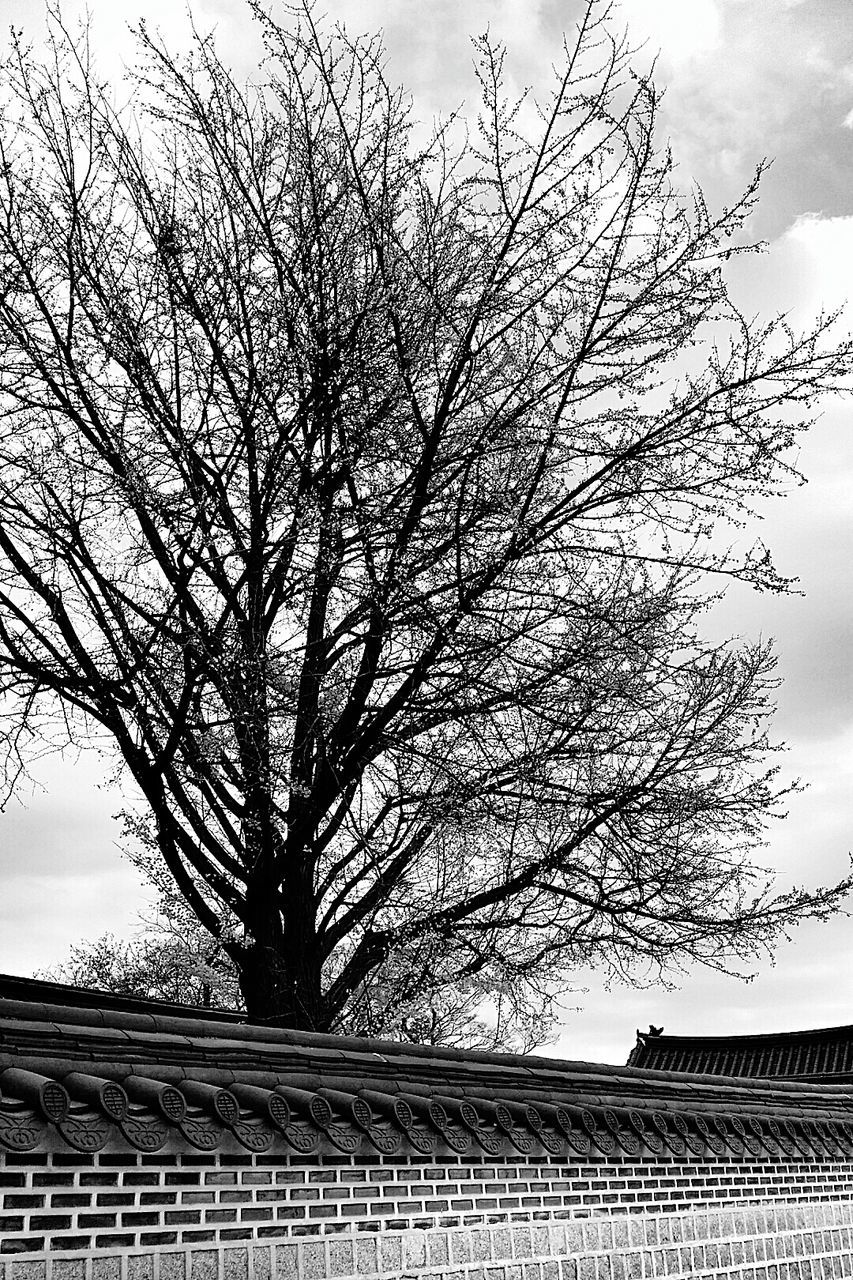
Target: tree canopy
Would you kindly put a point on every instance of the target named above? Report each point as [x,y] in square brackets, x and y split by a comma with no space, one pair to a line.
[364,485]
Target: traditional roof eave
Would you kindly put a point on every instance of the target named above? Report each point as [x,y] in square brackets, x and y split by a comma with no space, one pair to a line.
[817,1054]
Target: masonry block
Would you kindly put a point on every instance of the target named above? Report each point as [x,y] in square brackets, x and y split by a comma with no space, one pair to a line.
[414,1250]
[140,1266]
[341,1257]
[262,1262]
[106,1268]
[366,1256]
[313,1261]
[68,1269]
[173,1266]
[390,1253]
[540,1241]
[286,1262]
[235,1264]
[28,1270]
[481,1245]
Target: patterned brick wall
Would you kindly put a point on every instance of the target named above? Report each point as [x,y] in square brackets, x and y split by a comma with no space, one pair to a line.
[235,1217]
[151,1144]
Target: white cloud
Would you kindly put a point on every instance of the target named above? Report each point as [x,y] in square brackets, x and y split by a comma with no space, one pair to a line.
[820,251]
[681,31]
[62,877]
[806,269]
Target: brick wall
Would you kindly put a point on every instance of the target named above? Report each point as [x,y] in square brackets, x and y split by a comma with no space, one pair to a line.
[143,1144]
[186,1216]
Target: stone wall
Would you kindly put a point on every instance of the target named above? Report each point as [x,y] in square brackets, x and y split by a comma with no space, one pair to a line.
[186,1216]
[142,1143]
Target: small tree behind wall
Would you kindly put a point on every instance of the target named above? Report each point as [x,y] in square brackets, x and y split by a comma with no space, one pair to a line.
[365,487]
[157,964]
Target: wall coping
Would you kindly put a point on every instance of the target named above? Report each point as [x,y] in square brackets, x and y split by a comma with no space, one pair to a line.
[144,1076]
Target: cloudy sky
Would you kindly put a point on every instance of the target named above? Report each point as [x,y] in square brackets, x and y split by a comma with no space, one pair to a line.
[745,79]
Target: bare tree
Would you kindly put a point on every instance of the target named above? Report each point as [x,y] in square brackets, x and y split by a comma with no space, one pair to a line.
[358,483]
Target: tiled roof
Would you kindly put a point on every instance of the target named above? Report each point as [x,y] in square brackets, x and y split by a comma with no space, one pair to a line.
[145,1075]
[40,991]
[823,1054]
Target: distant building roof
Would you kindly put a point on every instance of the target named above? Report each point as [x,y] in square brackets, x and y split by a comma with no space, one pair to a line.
[823,1054]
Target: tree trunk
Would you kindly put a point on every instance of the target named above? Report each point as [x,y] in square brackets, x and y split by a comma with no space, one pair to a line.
[279,970]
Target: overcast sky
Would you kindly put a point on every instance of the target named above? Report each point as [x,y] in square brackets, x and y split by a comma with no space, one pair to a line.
[744,79]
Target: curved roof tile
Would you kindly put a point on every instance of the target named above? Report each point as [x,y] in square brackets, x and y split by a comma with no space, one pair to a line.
[133,1075]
